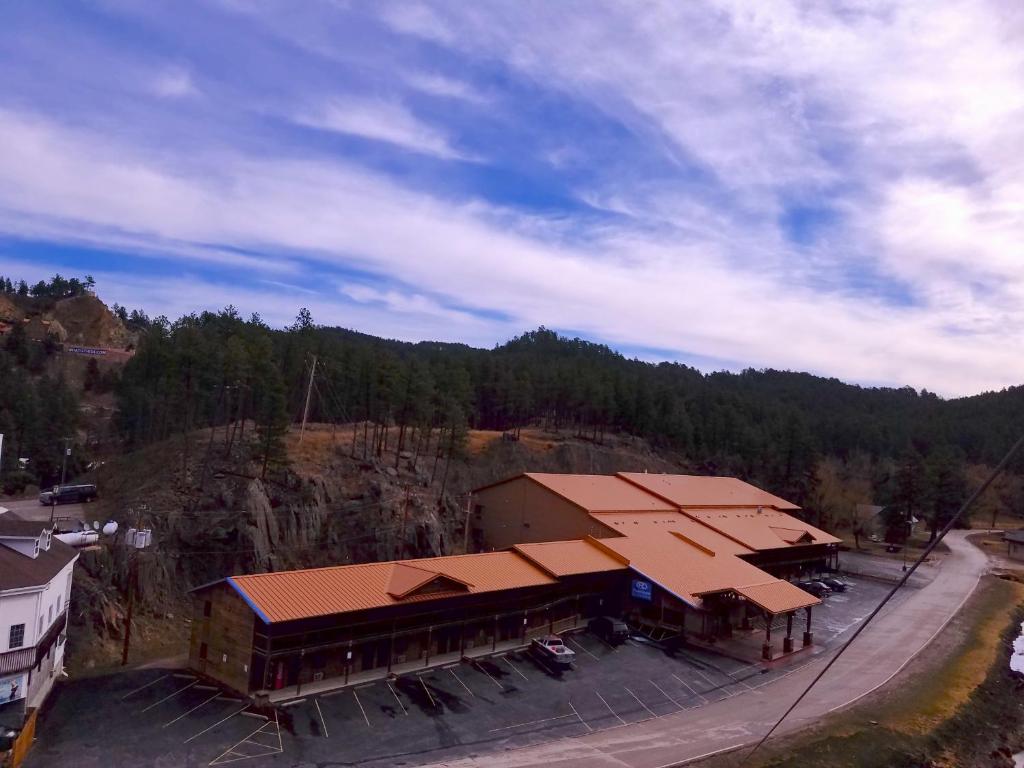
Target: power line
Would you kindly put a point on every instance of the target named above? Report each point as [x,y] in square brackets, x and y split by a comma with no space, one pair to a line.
[906,576]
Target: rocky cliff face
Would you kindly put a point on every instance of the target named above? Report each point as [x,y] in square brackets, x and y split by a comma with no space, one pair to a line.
[328,509]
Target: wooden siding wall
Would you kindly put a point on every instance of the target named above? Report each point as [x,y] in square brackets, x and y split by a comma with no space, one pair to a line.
[227,633]
[521,511]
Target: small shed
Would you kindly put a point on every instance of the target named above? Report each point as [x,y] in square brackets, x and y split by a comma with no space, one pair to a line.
[1014,544]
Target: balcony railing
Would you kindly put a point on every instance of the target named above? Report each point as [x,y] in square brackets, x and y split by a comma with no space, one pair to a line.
[17,660]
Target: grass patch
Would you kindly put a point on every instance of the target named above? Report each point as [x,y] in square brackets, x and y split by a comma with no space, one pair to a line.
[957,705]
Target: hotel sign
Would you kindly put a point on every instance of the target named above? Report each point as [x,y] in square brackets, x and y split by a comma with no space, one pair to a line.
[641,589]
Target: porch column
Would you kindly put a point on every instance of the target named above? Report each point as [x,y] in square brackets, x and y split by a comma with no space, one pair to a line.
[526,618]
[462,639]
[808,637]
[787,644]
[494,637]
[430,632]
[746,617]
[391,647]
[348,660]
[766,649]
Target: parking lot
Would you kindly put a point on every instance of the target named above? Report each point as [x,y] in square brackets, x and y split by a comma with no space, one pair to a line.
[161,717]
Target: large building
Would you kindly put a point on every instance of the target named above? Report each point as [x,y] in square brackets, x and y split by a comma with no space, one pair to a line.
[35,587]
[686,557]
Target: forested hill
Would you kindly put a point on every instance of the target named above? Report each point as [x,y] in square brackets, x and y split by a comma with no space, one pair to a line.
[771,427]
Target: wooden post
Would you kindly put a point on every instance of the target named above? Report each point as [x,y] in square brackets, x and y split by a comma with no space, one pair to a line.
[766,649]
[430,632]
[808,636]
[787,644]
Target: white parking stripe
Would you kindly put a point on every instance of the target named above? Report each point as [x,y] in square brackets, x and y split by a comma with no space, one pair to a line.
[580,718]
[361,708]
[691,690]
[427,690]
[640,702]
[319,712]
[577,645]
[395,694]
[531,722]
[665,694]
[143,687]
[493,679]
[224,720]
[197,706]
[170,696]
[515,668]
[609,708]
[459,679]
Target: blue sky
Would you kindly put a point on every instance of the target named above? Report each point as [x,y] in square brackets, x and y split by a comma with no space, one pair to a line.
[833,187]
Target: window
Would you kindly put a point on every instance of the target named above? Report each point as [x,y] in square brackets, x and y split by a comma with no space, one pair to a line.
[202,650]
[17,636]
[207,608]
[49,616]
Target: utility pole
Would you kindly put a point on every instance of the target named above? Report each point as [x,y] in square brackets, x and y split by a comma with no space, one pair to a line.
[138,539]
[64,460]
[2,455]
[465,533]
[309,391]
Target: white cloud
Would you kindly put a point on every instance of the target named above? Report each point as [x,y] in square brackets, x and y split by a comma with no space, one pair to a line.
[626,288]
[386,121]
[445,87]
[174,83]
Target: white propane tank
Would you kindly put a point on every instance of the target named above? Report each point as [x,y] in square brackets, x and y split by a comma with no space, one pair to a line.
[79,538]
[110,528]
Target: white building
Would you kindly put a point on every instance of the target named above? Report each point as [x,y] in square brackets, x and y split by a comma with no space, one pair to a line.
[35,588]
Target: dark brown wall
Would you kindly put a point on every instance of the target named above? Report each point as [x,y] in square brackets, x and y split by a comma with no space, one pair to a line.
[522,511]
[227,633]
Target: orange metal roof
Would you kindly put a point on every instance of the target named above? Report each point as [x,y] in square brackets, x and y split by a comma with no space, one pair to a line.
[778,596]
[760,530]
[642,524]
[600,493]
[683,569]
[701,491]
[290,595]
[566,558]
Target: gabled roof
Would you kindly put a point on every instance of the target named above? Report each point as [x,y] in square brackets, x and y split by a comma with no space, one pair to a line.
[18,571]
[702,491]
[567,558]
[291,595]
[594,493]
[778,596]
[760,528]
[634,524]
[14,526]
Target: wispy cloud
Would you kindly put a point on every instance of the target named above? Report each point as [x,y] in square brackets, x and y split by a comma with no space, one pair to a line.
[174,83]
[386,121]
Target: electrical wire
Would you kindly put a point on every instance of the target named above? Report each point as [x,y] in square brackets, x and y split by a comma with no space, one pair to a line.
[906,576]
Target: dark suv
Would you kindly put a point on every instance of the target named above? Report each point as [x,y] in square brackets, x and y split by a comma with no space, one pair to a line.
[815,587]
[612,631]
[68,494]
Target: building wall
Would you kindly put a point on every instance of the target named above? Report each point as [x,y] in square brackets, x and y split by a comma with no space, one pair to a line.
[226,634]
[522,511]
[1016,550]
[21,607]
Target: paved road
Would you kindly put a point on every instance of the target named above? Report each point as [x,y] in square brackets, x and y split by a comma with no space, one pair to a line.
[31,509]
[891,641]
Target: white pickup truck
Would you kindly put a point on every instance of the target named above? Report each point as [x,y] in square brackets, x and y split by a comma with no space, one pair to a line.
[551,648]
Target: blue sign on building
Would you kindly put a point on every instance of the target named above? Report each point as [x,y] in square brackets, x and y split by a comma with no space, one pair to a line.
[641,589]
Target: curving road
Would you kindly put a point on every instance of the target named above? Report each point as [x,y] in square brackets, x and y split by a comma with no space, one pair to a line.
[894,638]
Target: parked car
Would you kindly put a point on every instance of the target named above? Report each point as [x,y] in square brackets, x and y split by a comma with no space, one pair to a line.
[836,585]
[68,494]
[551,649]
[816,588]
[612,631]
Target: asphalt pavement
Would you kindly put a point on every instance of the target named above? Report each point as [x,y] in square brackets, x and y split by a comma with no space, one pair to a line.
[889,644]
[31,509]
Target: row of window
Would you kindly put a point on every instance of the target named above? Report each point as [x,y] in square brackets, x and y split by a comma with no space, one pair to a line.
[16,635]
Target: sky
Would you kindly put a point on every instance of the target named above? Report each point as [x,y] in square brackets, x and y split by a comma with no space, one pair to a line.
[835,187]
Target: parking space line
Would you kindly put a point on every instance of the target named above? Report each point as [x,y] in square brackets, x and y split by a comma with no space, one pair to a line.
[427,690]
[461,683]
[319,712]
[143,687]
[250,739]
[169,696]
[210,728]
[604,642]
[687,687]
[614,713]
[361,708]
[533,722]
[640,702]
[197,706]
[506,659]
[708,679]
[493,679]
[580,718]
[393,693]
[577,645]
[665,694]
